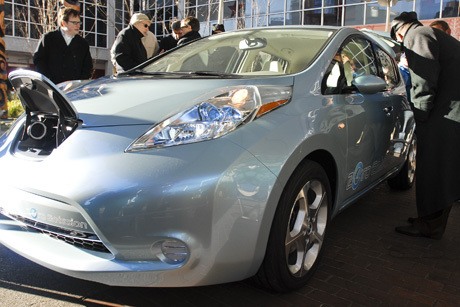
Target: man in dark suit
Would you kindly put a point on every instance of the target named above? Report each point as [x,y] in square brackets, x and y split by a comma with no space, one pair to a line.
[64,55]
[433,58]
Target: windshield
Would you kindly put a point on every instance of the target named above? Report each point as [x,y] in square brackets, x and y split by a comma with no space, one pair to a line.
[247,52]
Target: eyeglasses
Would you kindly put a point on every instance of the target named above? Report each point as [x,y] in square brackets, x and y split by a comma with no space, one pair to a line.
[146,26]
[75,23]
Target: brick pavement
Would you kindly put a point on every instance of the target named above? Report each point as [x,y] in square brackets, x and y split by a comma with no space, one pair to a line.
[366,263]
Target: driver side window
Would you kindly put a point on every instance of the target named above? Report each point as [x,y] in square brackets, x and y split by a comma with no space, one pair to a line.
[354,58]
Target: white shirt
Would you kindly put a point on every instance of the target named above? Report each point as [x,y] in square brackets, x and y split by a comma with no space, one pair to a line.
[67,38]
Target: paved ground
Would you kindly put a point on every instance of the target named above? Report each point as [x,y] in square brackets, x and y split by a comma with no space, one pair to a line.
[366,264]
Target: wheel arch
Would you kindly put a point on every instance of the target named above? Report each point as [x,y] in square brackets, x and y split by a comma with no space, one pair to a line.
[327,161]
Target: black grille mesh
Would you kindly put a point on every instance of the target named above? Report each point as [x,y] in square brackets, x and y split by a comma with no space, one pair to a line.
[80,239]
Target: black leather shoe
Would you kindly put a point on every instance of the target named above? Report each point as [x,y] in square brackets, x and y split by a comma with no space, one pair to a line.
[430,226]
[411,220]
[412,231]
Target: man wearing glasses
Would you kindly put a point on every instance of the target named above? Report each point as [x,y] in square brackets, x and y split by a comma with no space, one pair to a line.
[128,50]
[62,54]
[190,27]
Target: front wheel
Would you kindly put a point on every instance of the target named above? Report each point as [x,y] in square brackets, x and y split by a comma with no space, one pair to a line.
[298,230]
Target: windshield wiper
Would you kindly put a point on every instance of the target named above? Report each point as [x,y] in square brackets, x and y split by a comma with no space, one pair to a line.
[213,73]
[182,73]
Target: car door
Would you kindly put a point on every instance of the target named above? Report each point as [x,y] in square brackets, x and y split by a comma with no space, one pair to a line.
[401,113]
[369,121]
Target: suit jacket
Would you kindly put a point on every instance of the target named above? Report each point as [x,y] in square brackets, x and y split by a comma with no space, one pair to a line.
[190,36]
[59,62]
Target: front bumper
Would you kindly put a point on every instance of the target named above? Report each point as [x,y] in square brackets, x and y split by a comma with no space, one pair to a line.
[211,196]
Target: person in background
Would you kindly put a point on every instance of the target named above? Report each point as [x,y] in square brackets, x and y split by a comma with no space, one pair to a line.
[190,27]
[433,57]
[151,44]
[128,51]
[170,41]
[62,54]
[217,28]
[404,69]
[441,25]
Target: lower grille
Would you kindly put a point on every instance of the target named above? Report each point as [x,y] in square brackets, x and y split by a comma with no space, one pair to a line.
[84,240]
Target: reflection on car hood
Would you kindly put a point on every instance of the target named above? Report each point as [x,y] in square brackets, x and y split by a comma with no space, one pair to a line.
[137,100]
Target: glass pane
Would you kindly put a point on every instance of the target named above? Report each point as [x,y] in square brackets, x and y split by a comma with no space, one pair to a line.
[450,9]
[90,38]
[34,14]
[36,31]
[102,41]
[8,28]
[294,5]
[313,3]
[312,17]
[90,10]
[101,27]
[333,16]
[332,2]
[276,20]
[190,3]
[260,21]
[89,25]
[359,56]
[259,6]
[250,9]
[427,9]
[402,6]
[354,15]
[190,12]
[202,13]
[388,69]
[276,6]
[353,1]
[102,12]
[214,14]
[8,10]
[293,18]
[20,29]
[375,13]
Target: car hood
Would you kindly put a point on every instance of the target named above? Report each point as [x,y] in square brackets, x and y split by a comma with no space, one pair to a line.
[136,100]
[126,100]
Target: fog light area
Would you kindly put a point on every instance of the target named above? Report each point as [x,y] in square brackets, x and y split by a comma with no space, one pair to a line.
[171,251]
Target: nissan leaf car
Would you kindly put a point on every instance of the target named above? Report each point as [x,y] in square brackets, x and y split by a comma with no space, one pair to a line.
[221,160]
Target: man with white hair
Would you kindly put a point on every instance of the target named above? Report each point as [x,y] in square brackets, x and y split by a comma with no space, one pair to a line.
[128,51]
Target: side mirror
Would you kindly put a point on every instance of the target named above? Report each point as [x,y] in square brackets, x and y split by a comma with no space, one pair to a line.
[369,84]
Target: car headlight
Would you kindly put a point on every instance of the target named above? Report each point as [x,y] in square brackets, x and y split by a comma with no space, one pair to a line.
[214,115]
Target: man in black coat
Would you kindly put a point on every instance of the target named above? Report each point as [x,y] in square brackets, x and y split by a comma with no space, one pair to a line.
[64,55]
[128,51]
[170,41]
[434,60]
[190,27]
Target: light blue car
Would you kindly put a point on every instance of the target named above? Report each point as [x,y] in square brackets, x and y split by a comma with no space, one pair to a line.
[217,161]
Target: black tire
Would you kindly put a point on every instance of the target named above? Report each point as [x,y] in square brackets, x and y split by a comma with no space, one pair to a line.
[404,180]
[298,230]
